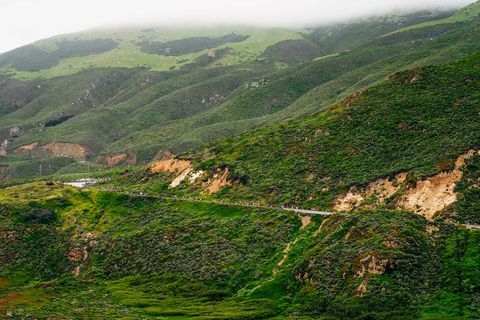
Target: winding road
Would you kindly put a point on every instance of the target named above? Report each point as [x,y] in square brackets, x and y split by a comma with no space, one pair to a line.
[238,204]
[473,227]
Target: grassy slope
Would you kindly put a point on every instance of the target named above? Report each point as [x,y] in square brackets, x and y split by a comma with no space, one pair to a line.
[399,125]
[128,55]
[140,116]
[470,12]
[150,258]
[352,34]
[307,90]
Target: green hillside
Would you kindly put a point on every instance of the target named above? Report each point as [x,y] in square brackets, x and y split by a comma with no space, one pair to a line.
[225,81]
[468,13]
[398,126]
[330,172]
[127,48]
[78,254]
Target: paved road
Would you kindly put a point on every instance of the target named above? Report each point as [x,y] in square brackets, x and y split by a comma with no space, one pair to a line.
[470,226]
[247,205]
[238,204]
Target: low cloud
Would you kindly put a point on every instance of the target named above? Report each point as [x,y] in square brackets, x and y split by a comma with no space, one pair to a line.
[24,21]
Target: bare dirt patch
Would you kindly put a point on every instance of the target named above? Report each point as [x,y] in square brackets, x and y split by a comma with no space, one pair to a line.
[27,148]
[176,182]
[69,150]
[119,158]
[426,198]
[170,166]
[219,180]
[381,189]
[371,265]
[286,251]
[436,193]
[305,221]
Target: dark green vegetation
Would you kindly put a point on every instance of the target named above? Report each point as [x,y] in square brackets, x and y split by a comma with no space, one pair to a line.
[398,126]
[221,91]
[189,45]
[136,258]
[22,58]
[66,253]
[466,209]
[345,36]
[293,51]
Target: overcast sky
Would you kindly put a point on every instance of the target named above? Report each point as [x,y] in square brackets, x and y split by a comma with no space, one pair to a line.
[24,21]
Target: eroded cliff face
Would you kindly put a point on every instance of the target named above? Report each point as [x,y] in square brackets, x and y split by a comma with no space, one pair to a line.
[129,158]
[426,197]
[56,149]
[170,166]
[381,190]
[69,150]
[211,183]
[217,182]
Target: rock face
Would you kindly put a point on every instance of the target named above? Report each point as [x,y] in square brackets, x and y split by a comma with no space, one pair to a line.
[170,166]
[186,173]
[69,150]
[381,189]
[426,198]
[434,194]
[217,182]
[15,132]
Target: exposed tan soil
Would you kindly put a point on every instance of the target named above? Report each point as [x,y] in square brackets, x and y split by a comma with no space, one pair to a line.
[426,198]
[382,189]
[372,265]
[431,229]
[436,193]
[321,227]
[305,221]
[218,181]
[69,150]
[286,251]
[119,158]
[176,182]
[362,288]
[8,235]
[27,148]
[170,166]
[195,176]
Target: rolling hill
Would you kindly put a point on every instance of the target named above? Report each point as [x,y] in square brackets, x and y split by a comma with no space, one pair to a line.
[205,141]
[109,107]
